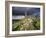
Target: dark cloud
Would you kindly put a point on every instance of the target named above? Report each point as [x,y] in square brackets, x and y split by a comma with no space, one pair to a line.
[22,10]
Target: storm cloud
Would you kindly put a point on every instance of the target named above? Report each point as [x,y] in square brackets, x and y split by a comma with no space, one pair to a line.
[28,10]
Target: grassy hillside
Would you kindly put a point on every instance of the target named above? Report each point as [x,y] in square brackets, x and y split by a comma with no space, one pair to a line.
[27,23]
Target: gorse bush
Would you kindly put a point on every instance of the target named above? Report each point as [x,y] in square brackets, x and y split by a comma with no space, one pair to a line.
[36,23]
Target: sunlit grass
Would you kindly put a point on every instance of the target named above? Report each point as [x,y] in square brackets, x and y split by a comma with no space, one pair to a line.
[27,23]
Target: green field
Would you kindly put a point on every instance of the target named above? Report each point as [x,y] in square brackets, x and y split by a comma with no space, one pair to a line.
[27,23]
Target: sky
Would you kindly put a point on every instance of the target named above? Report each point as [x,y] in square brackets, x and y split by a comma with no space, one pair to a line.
[28,10]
